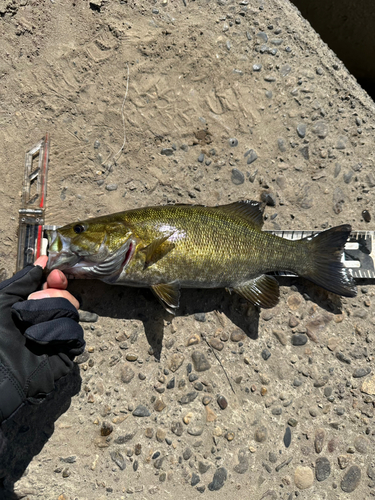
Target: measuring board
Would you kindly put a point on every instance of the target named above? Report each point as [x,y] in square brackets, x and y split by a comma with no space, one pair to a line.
[358,256]
[31,214]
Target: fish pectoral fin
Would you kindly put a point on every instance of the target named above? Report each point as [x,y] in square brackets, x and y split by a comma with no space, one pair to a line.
[168,294]
[249,210]
[157,250]
[262,291]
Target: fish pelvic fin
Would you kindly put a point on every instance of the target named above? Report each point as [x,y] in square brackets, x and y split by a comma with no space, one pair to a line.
[324,266]
[157,250]
[169,295]
[248,210]
[262,291]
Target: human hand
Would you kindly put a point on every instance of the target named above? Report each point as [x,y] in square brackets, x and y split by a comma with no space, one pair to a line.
[38,338]
[55,285]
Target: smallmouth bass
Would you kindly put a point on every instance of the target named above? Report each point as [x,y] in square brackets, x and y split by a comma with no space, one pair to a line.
[191,246]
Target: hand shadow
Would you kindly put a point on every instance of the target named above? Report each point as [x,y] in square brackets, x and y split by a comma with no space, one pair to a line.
[23,436]
[140,303]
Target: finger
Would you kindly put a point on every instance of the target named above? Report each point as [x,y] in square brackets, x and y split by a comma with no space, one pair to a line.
[41,261]
[56,279]
[52,292]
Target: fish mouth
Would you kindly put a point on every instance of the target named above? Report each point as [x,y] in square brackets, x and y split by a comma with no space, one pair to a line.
[60,256]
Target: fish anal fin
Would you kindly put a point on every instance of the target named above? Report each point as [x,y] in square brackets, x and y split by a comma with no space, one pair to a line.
[156,250]
[168,294]
[262,291]
[249,210]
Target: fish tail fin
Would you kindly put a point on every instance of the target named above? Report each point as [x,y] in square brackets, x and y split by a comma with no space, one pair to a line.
[324,266]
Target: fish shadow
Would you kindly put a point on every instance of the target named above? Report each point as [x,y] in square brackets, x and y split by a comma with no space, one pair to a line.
[133,303]
[315,294]
[141,304]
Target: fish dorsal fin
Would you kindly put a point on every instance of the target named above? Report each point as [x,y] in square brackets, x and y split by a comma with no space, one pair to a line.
[249,210]
[262,291]
[156,250]
[168,294]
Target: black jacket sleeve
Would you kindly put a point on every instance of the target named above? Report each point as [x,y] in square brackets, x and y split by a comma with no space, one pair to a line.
[38,341]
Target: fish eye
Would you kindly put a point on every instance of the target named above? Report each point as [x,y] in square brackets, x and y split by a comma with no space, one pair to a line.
[78,228]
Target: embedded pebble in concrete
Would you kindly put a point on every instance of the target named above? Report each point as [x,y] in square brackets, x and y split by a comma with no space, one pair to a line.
[266,354]
[361,372]
[203,467]
[361,444]
[200,361]
[319,440]
[281,336]
[262,36]
[222,402]
[351,479]
[217,344]
[177,428]
[126,374]
[322,469]
[175,361]
[338,200]
[285,70]
[188,398]
[366,216]
[321,129]
[287,437]
[167,151]
[301,130]
[195,479]
[87,317]
[106,429]
[299,339]
[251,156]
[141,411]
[237,335]
[243,462]
[219,479]
[343,461]
[281,143]
[303,477]
[261,434]
[294,301]
[119,459]
[237,177]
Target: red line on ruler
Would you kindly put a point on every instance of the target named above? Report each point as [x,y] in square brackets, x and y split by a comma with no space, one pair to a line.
[39,241]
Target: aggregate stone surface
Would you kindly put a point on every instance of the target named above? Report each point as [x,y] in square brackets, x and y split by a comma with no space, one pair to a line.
[227,100]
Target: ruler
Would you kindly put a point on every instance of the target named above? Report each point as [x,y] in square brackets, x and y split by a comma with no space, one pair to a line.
[31,214]
[358,256]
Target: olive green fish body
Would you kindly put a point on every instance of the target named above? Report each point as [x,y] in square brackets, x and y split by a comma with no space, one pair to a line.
[205,248]
[175,246]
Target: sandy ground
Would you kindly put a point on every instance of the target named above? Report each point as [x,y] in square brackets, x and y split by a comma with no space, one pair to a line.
[208,81]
